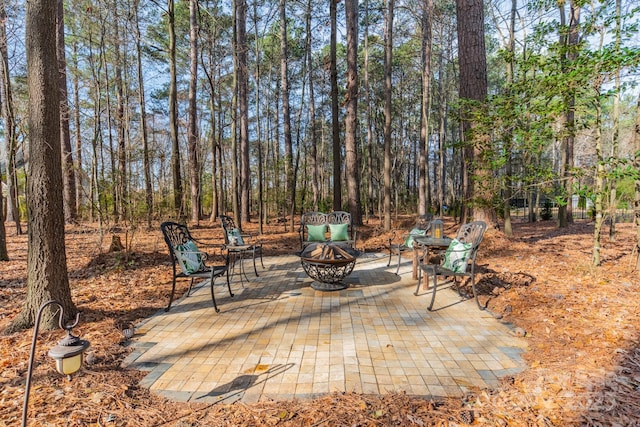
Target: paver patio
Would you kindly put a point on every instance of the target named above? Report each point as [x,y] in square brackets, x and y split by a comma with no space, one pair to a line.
[280,339]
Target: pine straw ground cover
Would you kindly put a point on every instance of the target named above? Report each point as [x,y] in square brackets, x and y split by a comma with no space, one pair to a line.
[581,323]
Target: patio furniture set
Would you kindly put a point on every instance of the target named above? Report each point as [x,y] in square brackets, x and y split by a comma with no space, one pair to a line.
[328,253]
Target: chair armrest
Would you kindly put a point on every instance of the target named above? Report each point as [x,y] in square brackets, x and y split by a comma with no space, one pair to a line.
[250,237]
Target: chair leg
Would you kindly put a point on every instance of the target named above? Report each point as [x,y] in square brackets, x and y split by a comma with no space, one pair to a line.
[390,255]
[213,296]
[435,287]
[234,258]
[255,270]
[173,290]
[190,287]
[399,259]
[228,282]
[419,282]
[261,262]
[475,292]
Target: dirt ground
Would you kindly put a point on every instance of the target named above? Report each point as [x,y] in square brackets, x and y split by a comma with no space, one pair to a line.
[582,325]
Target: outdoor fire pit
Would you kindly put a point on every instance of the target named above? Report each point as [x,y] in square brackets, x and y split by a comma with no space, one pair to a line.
[328,264]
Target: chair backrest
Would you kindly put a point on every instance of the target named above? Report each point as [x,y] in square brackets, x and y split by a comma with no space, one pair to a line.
[313,218]
[181,247]
[228,225]
[175,234]
[423,222]
[472,232]
[339,217]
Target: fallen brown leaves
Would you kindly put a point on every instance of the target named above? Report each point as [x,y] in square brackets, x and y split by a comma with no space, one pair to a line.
[582,324]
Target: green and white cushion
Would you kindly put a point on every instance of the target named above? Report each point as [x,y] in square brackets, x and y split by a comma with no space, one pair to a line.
[412,234]
[235,238]
[456,256]
[189,258]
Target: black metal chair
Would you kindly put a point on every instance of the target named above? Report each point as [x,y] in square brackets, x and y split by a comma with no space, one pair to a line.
[239,244]
[189,262]
[421,228]
[459,260]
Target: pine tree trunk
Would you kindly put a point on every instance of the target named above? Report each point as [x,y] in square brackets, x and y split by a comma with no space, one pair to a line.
[243,107]
[46,260]
[173,115]
[350,142]
[388,61]
[473,87]
[335,124]
[192,134]
[424,188]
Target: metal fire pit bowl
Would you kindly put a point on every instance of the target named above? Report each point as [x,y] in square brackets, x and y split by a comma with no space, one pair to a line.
[328,273]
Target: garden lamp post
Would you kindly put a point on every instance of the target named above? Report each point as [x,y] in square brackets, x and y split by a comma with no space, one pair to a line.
[68,353]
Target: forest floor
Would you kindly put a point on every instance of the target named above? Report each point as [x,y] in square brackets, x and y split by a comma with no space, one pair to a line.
[582,325]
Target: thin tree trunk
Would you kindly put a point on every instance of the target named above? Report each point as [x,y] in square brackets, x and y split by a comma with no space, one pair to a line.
[423,149]
[335,125]
[636,163]
[192,133]
[599,183]
[367,94]
[68,176]
[352,167]
[570,42]
[315,186]
[286,115]
[173,115]
[235,188]
[615,137]
[122,199]
[243,106]
[146,163]
[508,230]
[388,57]
[111,151]
[79,173]
[258,79]
[8,116]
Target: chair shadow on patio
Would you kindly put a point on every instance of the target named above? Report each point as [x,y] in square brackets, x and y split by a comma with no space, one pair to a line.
[234,390]
[489,284]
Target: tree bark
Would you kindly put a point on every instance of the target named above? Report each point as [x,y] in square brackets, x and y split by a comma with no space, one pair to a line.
[350,140]
[570,43]
[258,79]
[335,122]
[192,133]
[473,91]
[243,106]
[146,163]
[6,95]
[315,185]
[286,114]
[423,149]
[46,258]
[615,137]
[173,114]
[636,163]
[369,118]
[68,177]
[388,62]
[121,183]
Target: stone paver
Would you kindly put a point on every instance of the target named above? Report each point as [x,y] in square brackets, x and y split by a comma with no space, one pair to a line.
[280,339]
